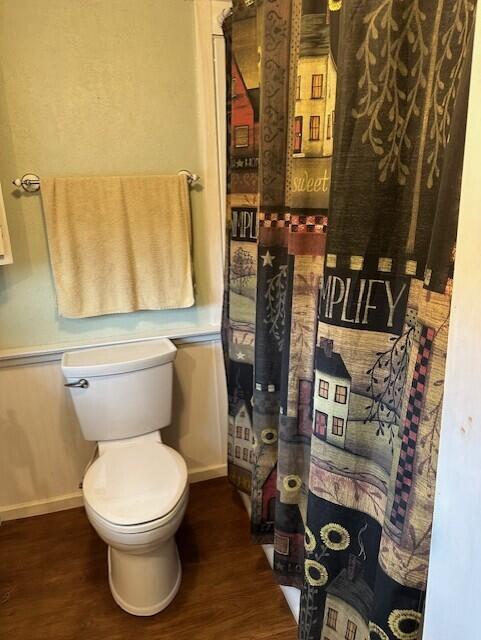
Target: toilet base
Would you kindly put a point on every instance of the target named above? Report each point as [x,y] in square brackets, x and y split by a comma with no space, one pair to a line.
[144,584]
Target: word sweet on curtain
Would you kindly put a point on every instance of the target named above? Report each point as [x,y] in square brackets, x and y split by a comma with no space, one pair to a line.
[346,134]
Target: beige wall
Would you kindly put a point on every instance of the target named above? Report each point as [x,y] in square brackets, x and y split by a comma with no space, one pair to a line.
[43,454]
[97,87]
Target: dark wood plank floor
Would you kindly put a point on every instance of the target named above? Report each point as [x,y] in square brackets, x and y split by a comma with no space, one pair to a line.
[53,580]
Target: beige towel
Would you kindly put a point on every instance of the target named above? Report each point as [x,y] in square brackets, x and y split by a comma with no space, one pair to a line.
[119,244]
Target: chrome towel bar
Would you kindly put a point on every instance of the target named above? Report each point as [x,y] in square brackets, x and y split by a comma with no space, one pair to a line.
[31,182]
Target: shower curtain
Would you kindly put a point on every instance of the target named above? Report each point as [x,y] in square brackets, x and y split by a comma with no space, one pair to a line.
[346,127]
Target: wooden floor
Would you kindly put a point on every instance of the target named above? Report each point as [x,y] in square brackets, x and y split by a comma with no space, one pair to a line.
[53,580]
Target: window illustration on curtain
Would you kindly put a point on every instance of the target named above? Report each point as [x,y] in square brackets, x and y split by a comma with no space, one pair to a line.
[345,143]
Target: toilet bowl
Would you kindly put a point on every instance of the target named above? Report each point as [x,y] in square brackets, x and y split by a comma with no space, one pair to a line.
[136,490]
[135,496]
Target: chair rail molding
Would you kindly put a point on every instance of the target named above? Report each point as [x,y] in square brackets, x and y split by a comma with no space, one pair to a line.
[50,353]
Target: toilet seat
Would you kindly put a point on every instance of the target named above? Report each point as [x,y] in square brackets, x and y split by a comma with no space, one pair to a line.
[133,532]
[135,484]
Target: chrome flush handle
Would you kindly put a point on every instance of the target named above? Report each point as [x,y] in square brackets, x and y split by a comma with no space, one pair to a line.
[82,383]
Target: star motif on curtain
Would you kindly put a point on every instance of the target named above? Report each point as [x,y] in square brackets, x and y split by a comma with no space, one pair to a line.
[267,259]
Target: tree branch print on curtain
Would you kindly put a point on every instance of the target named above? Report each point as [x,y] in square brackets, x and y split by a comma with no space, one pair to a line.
[276,305]
[383,82]
[444,92]
[242,268]
[387,378]
[391,44]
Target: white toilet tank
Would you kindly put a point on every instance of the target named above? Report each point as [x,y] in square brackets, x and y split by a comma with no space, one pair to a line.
[123,390]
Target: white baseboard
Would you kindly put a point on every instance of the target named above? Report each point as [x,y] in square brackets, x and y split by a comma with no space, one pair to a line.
[40,507]
[72,500]
[207,473]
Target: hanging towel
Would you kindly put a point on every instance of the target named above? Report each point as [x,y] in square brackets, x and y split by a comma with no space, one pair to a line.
[119,244]
[5,248]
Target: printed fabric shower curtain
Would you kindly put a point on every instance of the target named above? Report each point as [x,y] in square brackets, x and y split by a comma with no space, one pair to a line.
[346,127]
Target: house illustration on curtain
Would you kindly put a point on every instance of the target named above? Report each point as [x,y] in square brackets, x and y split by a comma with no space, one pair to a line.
[289,539]
[264,491]
[239,444]
[332,388]
[315,89]
[269,497]
[245,118]
[349,601]
[304,408]
[314,110]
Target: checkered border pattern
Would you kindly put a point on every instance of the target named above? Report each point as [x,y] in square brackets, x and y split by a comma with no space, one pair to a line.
[404,475]
[274,220]
[297,223]
[309,224]
[382,264]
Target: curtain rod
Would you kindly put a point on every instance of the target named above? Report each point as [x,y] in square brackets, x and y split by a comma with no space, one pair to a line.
[31,182]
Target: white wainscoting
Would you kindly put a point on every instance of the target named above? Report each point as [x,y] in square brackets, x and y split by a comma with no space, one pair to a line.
[43,454]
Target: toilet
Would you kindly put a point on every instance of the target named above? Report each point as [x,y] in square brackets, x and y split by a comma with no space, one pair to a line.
[136,489]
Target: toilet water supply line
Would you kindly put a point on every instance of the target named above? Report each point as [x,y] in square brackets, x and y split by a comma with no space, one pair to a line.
[89,464]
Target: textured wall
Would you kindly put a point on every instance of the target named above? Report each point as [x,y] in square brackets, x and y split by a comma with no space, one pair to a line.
[95,87]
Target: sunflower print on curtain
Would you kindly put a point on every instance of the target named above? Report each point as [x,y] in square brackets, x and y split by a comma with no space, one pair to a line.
[346,137]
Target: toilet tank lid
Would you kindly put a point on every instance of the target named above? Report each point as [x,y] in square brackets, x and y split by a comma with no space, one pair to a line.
[117,358]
